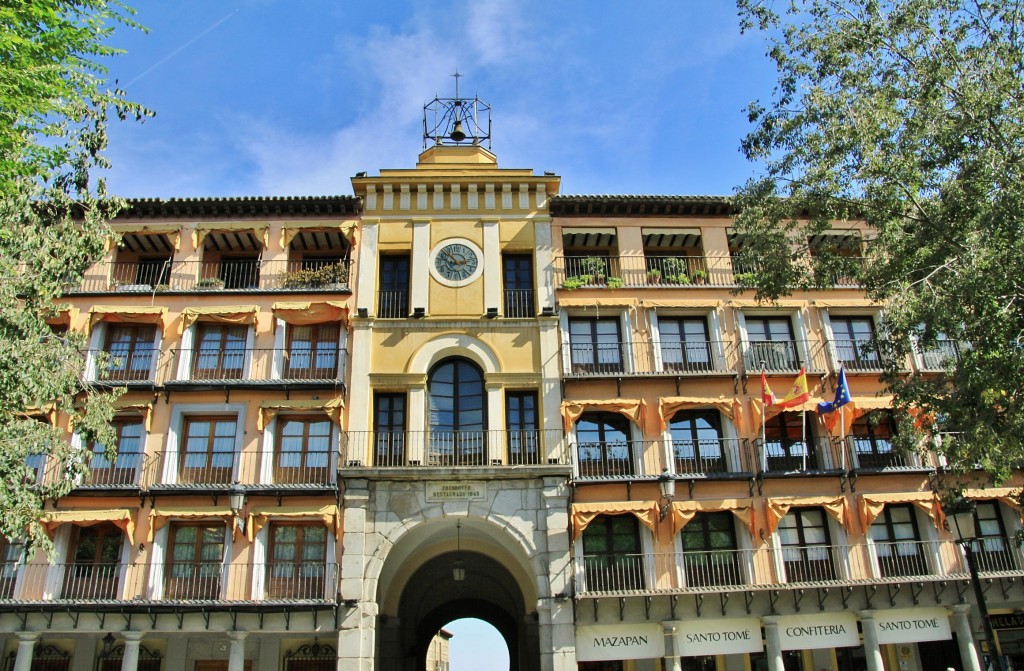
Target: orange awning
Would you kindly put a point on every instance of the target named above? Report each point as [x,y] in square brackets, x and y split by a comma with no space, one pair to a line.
[614,300]
[144,409]
[269,409]
[159,516]
[1007,495]
[122,518]
[854,410]
[203,229]
[810,405]
[143,314]
[670,405]
[172,231]
[633,408]
[680,303]
[224,314]
[871,505]
[330,515]
[292,229]
[777,507]
[585,513]
[684,511]
[311,312]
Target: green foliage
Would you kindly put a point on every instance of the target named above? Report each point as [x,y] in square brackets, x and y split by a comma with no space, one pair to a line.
[319,278]
[594,265]
[54,106]
[909,117]
[576,282]
[210,283]
[614,282]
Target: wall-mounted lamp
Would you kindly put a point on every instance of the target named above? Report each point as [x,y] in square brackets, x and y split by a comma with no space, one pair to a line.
[419,313]
[363,313]
[458,567]
[108,644]
[351,603]
[667,485]
[491,313]
[548,312]
[236,501]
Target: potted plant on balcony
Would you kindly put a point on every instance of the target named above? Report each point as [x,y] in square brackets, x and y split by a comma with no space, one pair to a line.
[675,271]
[210,284]
[654,276]
[596,267]
[332,276]
[614,282]
[699,276]
[577,281]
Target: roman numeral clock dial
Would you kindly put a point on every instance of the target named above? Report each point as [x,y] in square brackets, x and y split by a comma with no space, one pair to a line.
[456,263]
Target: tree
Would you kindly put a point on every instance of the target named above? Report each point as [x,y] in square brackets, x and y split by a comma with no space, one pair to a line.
[54,106]
[908,116]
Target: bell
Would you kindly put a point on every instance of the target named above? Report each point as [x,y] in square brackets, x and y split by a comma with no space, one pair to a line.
[457,134]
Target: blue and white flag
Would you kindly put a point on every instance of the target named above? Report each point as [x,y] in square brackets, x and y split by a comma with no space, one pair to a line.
[842,396]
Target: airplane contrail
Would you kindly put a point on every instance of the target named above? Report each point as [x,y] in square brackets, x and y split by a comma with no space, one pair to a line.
[179,49]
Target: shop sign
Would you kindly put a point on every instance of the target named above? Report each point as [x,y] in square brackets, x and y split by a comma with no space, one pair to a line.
[456,491]
[601,643]
[912,625]
[823,630]
[726,636]
[1007,621]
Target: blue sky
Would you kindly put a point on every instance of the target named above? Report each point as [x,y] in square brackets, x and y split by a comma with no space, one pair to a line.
[293,97]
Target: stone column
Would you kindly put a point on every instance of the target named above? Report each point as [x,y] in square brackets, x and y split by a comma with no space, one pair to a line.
[132,641]
[356,637]
[671,660]
[557,630]
[26,646]
[872,653]
[236,655]
[965,637]
[773,644]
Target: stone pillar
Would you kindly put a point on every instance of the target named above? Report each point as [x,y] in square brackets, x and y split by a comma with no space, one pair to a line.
[965,637]
[356,637]
[26,646]
[557,625]
[236,654]
[872,653]
[671,662]
[773,644]
[495,420]
[132,641]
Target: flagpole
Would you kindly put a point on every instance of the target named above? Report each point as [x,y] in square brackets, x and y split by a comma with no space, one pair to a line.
[764,411]
[803,436]
[842,435]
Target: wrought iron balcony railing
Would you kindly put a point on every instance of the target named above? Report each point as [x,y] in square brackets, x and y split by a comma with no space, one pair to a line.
[318,362]
[668,357]
[140,365]
[225,275]
[858,355]
[772,567]
[783,356]
[942,354]
[395,449]
[779,456]
[878,453]
[220,469]
[85,582]
[574,271]
[520,303]
[710,457]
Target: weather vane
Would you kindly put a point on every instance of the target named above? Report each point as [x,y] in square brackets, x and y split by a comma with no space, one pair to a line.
[456,121]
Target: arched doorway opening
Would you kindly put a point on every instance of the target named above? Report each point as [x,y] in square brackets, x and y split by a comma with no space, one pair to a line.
[475,644]
[458,413]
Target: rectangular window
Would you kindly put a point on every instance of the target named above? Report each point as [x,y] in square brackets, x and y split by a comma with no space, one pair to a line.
[517,272]
[697,442]
[393,292]
[10,560]
[96,560]
[871,437]
[856,347]
[595,346]
[685,345]
[130,352]
[522,422]
[710,556]
[208,453]
[611,554]
[298,556]
[389,429]
[304,451]
[240,272]
[312,352]
[806,549]
[994,550]
[897,542]
[196,560]
[219,352]
[125,468]
[788,442]
[771,344]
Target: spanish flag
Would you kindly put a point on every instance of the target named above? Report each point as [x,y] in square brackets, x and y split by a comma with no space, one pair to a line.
[798,393]
[767,395]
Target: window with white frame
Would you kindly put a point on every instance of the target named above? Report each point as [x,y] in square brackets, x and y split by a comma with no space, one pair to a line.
[806,546]
[710,553]
[897,543]
[604,447]
[612,556]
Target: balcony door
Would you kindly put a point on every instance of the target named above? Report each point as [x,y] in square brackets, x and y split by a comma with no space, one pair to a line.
[209,450]
[196,561]
[595,346]
[771,344]
[522,422]
[517,273]
[458,414]
[855,344]
[298,561]
[710,555]
[304,451]
[312,352]
[393,292]
[871,437]
[787,443]
[993,550]
[806,546]
[897,542]
[603,445]
[685,345]
[389,429]
[130,351]
[95,562]
[220,352]
[612,557]
[124,469]
[697,442]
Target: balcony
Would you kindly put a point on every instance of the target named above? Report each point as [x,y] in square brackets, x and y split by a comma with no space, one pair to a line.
[866,453]
[770,567]
[267,368]
[777,457]
[640,359]
[83,584]
[520,303]
[138,367]
[228,275]
[711,458]
[448,449]
[942,355]
[576,271]
[783,356]
[217,471]
[125,473]
[859,356]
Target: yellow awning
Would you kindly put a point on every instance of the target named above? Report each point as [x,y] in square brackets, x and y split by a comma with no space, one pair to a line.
[159,516]
[614,300]
[777,507]
[633,408]
[670,405]
[585,513]
[845,303]
[316,312]
[224,314]
[122,518]
[268,409]
[66,316]
[680,303]
[684,511]
[144,409]
[134,314]
[48,410]
[854,410]
[291,229]
[1007,495]
[784,303]
[330,515]
[172,231]
[203,229]
[871,505]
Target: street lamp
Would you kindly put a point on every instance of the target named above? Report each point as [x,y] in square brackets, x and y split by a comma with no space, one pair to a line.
[667,484]
[961,522]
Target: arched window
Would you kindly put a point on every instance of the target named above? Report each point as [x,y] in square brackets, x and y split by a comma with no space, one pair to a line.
[697,442]
[603,444]
[458,413]
[611,554]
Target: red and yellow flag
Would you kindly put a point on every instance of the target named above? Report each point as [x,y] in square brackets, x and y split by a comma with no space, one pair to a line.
[767,395]
[798,393]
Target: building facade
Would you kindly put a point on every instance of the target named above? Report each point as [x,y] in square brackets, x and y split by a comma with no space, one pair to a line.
[348,421]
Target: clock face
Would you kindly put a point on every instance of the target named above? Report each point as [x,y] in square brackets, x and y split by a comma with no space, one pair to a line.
[456,262]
